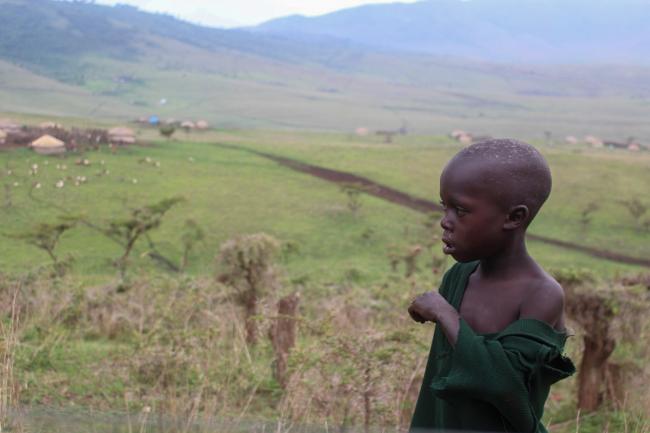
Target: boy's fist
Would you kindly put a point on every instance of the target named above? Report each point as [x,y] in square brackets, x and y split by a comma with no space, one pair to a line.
[427,307]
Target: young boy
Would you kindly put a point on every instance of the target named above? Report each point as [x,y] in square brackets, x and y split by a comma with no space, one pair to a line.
[499,337]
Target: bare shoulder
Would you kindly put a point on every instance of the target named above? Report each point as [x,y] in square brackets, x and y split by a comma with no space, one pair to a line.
[544,301]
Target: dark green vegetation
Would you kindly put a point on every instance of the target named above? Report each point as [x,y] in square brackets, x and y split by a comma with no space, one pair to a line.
[121,63]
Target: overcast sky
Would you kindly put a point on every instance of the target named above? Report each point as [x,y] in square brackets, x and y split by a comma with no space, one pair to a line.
[242,12]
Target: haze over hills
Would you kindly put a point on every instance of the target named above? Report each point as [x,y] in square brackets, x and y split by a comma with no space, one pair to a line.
[87,60]
[519,31]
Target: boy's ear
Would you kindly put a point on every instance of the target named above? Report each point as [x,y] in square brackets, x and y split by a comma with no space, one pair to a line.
[517,217]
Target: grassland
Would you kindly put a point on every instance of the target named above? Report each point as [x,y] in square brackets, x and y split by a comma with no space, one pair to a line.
[431,96]
[84,342]
[581,176]
[222,184]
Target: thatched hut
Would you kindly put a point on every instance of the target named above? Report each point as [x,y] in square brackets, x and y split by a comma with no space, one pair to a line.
[461,136]
[593,141]
[9,126]
[187,125]
[50,125]
[570,139]
[202,125]
[361,131]
[121,135]
[48,145]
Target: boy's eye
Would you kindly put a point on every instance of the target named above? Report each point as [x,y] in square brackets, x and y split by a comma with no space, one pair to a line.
[460,211]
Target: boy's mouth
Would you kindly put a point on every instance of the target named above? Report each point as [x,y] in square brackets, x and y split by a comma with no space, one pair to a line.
[447,246]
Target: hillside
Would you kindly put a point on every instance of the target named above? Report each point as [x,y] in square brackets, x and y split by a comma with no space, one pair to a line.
[87,60]
[550,32]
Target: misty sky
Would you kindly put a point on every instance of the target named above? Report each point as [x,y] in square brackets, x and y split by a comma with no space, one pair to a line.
[242,12]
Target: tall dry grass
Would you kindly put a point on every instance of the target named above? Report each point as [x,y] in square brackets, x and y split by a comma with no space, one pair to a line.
[184,351]
[9,389]
[181,350]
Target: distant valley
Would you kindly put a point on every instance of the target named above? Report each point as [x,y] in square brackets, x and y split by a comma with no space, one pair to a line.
[86,60]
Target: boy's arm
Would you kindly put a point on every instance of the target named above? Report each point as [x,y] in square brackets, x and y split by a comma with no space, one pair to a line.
[499,370]
[545,304]
[432,307]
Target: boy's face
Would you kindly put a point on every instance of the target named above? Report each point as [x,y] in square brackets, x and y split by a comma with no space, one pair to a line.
[473,221]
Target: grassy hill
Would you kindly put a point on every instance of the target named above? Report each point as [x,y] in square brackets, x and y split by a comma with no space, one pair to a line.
[577,31]
[119,63]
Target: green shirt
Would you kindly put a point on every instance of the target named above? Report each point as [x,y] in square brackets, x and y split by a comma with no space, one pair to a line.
[492,382]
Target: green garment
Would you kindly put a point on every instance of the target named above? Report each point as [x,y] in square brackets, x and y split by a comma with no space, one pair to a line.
[492,382]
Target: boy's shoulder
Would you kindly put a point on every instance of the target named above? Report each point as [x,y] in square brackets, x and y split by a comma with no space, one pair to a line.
[543,300]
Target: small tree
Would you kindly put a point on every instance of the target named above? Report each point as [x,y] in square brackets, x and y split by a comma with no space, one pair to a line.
[637,210]
[246,264]
[191,236]
[408,256]
[353,192]
[46,237]
[140,222]
[586,214]
[167,131]
[345,371]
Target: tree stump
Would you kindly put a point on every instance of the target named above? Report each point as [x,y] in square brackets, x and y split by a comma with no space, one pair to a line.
[283,335]
[594,313]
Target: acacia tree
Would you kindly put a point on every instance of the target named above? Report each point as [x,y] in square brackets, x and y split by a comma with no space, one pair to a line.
[139,223]
[637,210]
[246,263]
[45,237]
[353,192]
[167,131]
[586,214]
[191,236]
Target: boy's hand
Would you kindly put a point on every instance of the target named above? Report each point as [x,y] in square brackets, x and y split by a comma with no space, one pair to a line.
[428,307]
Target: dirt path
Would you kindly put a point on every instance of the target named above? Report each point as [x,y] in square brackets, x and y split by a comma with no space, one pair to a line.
[397,197]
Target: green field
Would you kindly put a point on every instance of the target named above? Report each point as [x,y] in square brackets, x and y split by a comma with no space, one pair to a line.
[167,325]
[229,192]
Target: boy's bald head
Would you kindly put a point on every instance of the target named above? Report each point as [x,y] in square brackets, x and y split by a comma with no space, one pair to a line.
[511,171]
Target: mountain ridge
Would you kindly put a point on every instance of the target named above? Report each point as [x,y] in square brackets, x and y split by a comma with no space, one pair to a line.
[507,31]
[120,62]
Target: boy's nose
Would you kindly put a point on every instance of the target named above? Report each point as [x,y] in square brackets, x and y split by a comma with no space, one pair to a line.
[444,222]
